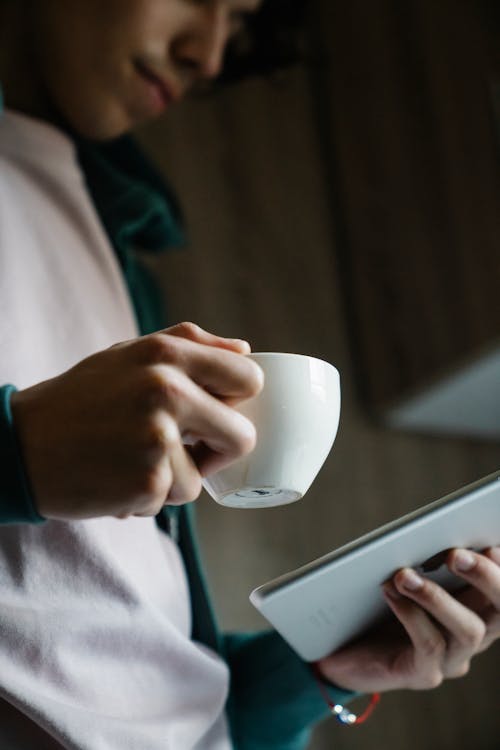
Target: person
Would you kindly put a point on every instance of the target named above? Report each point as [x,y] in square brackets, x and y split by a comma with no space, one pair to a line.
[109,421]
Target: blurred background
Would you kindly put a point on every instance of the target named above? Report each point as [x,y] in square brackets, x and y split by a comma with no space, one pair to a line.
[348,208]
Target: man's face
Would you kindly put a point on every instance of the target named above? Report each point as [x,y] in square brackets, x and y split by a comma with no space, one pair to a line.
[108,65]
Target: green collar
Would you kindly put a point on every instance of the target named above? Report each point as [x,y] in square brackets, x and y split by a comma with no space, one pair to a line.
[136,206]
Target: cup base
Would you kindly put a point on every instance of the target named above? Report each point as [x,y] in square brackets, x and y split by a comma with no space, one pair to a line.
[259,497]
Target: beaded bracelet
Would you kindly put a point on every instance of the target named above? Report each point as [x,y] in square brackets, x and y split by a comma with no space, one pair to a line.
[341,713]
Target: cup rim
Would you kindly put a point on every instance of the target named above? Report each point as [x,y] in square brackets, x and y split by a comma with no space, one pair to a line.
[292,354]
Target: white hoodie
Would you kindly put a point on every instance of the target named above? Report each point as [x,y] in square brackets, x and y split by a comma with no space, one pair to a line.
[95,649]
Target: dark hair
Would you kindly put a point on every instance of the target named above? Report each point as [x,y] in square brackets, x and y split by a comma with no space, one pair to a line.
[273,38]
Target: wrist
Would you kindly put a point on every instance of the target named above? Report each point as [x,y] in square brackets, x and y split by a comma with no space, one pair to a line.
[330,691]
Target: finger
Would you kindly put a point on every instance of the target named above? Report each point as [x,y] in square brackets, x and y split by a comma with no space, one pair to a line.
[174,479]
[479,570]
[207,460]
[186,480]
[464,629]
[194,332]
[474,600]
[492,630]
[224,434]
[221,435]
[482,595]
[493,553]
[426,638]
[226,374]
[464,625]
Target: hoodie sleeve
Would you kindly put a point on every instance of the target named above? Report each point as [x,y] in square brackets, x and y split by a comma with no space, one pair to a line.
[274,699]
[16,503]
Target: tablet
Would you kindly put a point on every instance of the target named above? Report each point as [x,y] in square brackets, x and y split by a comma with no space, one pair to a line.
[328,602]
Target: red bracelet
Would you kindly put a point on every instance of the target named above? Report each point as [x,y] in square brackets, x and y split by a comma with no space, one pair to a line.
[341,713]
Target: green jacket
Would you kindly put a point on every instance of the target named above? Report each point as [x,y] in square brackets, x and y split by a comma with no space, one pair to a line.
[274,700]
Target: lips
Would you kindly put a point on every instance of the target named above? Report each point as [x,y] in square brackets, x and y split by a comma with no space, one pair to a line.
[159,88]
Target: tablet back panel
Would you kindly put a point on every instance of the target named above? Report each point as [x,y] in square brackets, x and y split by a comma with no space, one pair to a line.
[328,602]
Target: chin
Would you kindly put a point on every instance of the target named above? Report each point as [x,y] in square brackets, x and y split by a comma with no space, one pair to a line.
[98,123]
[103,129]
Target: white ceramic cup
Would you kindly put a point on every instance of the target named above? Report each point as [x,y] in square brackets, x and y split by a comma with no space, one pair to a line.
[296,416]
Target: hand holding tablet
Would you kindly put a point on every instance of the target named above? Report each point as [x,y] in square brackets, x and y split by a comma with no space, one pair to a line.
[441,633]
[336,610]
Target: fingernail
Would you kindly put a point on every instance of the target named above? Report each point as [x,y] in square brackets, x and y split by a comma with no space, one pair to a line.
[411,580]
[464,561]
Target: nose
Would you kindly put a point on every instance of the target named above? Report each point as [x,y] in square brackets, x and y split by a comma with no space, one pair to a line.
[202,46]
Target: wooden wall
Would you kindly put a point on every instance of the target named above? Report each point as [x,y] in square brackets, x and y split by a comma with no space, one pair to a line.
[264,264]
[413,153]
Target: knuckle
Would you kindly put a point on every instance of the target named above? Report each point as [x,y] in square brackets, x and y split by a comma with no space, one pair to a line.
[152,386]
[150,509]
[166,387]
[162,434]
[156,482]
[188,329]
[474,635]
[190,490]
[151,347]
[460,670]
[432,679]
[161,348]
[175,390]
[148,486]
[433,647]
